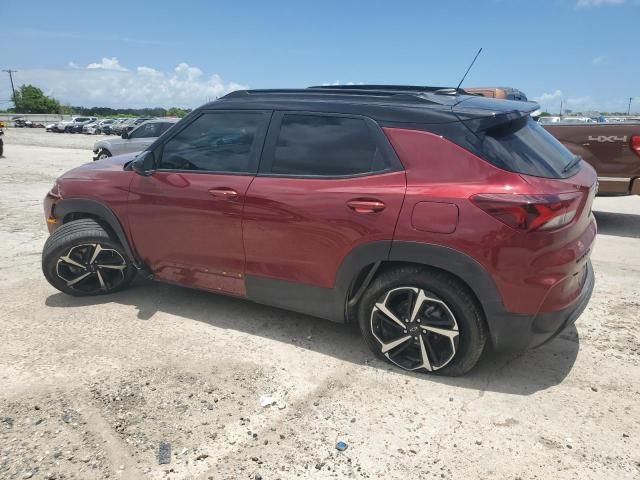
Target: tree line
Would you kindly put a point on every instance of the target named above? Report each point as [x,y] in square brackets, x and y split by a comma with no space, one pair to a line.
[31,99]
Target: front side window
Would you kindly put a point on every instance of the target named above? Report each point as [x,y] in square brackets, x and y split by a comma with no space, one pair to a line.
[147,130]
[216,142]
[321,145]
[163,127]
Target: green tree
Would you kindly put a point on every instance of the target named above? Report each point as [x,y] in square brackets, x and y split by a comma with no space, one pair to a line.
[30,99]
[176,112]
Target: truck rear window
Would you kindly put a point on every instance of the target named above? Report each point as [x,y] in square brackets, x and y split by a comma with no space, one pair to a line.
[523,146]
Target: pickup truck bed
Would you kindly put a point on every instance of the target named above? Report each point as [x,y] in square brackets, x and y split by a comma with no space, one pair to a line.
[613,149]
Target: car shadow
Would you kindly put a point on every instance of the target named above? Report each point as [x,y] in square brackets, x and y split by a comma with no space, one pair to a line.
[618,224]
[521,373]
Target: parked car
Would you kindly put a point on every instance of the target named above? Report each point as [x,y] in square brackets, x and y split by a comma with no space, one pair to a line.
[613,149]
[568,120]
[109,129]
[95,128]
[372,207]
[545,120]
[73,125]
[90,128]
[135,141]
[133,123]
[118,127]
[76,126]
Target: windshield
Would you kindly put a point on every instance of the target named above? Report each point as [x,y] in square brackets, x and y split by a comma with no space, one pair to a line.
[523,146]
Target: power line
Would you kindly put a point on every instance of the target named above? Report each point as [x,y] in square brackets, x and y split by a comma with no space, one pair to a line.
[11,72]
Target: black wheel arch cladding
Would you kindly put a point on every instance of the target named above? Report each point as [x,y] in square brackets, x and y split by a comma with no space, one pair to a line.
[329,303]
[100,211]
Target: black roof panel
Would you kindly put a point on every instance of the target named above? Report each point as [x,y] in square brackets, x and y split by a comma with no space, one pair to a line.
[384,103]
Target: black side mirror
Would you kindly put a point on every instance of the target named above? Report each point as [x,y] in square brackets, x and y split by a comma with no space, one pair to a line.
[144,164]
[125,134]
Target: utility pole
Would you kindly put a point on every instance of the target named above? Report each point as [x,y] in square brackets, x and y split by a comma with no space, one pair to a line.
[629,107]
[11,72]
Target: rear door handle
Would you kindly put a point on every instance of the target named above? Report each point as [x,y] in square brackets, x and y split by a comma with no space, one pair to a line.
[223,193]
[365,205]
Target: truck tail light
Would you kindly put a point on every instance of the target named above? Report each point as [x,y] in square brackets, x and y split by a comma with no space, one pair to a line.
[530,212]
[635,144]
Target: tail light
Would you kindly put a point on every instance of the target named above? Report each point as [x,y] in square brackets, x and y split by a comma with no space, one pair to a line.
[635,144]
[530,212]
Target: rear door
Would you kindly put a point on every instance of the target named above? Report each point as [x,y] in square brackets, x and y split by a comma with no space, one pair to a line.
[326,184]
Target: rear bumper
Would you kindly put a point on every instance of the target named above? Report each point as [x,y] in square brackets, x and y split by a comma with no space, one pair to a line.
[610,186]
[516,332]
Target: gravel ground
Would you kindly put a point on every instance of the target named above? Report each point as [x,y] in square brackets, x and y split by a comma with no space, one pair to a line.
[108,387]
[38,137]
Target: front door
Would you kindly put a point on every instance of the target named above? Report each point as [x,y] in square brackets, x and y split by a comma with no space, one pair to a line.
[186,217]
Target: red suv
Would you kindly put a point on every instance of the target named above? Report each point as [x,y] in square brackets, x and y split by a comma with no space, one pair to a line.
[438,221]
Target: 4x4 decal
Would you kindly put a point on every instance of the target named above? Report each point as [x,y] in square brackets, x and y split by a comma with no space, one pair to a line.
[607,138]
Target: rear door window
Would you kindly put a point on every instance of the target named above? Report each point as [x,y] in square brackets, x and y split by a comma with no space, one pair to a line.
[523,146]
[325,146]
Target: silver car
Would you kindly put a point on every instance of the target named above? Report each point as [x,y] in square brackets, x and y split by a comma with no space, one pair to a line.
[134,141]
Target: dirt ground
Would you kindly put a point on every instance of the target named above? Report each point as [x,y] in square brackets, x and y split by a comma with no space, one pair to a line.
[106,387]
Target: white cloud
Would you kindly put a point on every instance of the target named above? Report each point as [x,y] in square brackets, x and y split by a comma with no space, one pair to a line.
[550,102]
[597,3]
[338,82]
[110,84]
[599,60]
[107,64]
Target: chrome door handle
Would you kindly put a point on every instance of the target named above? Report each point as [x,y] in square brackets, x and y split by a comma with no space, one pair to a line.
[223,193]
[365,205]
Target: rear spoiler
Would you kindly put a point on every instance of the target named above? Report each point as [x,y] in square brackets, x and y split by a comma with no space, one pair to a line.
[480,114]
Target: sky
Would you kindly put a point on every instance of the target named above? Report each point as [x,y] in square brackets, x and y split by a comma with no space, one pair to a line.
[159,53]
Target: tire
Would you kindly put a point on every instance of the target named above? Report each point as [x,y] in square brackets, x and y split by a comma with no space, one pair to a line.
[70,253]
[448,328]
[103,153]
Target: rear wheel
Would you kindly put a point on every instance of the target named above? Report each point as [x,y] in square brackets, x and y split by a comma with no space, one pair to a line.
[422,320]
[81,259]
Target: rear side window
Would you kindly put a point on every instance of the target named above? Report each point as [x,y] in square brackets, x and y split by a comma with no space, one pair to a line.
[523,146]
[324,145]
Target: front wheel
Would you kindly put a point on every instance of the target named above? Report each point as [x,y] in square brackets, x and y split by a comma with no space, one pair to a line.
[103,153]
[422,319]
[81,259]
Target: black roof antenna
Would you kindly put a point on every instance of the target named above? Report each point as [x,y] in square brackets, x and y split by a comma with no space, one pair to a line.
[465,73]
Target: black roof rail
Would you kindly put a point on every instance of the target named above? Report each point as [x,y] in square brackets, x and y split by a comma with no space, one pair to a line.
[392,88]
[414,94]
[315,91]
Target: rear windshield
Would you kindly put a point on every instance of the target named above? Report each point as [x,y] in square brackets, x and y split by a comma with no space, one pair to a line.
[523,146]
